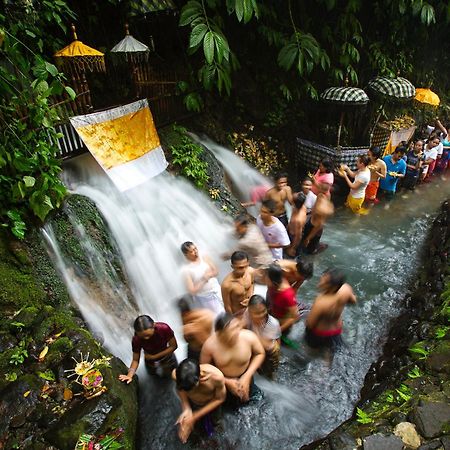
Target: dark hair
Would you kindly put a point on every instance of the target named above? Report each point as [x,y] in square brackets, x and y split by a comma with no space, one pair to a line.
[223,320]
[275,274]
[375,150]
[143,323]
[299,199]
[305,268]
[364,159]
[242,219]
[336,278]
[185,246]
[400,149]
[238,256]
[188,374]
[328,164]
[185,303]
[257,300]
[270,205]
[280,175]
[306,179]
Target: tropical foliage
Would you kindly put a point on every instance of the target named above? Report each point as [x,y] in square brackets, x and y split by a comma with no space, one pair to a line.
[306,45]
[29,182]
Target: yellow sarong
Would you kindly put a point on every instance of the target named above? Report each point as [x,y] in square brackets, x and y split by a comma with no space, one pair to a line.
[355,204]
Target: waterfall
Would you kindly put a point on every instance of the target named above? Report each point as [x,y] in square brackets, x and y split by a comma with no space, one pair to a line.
[148,224]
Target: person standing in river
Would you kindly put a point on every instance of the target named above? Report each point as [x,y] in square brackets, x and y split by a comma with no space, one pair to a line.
[296,271]
[159,344]
[201,389]
[324,322]
[322,211]
[237,353]
[198,324]
[377,169]
[280,194]
[296,224]
[200,277]
[396,169]
[237,286]
[272,229]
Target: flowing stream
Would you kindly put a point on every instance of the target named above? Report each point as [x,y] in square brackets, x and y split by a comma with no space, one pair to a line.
[378,252]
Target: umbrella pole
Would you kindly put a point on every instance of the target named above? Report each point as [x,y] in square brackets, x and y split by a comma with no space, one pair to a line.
[341,122]
[380,109]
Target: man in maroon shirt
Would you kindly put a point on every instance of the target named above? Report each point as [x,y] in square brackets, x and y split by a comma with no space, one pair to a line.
[158,342]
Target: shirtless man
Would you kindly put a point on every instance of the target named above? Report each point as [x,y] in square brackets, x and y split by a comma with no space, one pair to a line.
[324,322]
[377,169]
[296,271]
[201,389]
[197,325]
[237,353]
[322,211]
[296,224]
[279,194]
[237,287]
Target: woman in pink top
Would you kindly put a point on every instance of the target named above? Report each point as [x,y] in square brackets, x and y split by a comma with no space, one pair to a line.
[324,175]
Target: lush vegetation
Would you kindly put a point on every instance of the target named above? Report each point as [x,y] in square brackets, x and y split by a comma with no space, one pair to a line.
[316,42]
[29,182]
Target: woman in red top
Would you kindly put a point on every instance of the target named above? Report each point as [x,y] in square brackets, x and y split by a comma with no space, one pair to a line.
[158,342]
[283,304]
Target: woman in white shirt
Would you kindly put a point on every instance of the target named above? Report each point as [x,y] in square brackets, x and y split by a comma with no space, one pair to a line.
[355,198]
[430,155]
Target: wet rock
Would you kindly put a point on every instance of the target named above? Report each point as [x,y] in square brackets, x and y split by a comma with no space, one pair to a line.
[342,441]
[408,434]
[446,442]
[431,417]
[440,362]
[14,407]
[398,417]
[433,445]
[382,442]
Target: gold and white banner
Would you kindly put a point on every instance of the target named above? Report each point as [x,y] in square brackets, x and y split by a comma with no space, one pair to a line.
[124,142]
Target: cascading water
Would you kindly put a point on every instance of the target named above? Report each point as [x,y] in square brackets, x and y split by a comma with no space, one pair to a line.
[379,252]
[148,224]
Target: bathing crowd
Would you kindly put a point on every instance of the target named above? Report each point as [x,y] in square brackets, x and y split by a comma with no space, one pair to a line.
[231,332]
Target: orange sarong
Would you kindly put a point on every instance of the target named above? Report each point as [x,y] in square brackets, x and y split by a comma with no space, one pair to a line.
[372,189]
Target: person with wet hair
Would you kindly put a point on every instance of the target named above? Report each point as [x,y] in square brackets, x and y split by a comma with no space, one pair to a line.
[377,169]
[305,187]
[355,198]
[324,322]
[395,170]
[272,229]
[430,155]
[323,179]
[237,353]
[283,304]
[159,344]
[296,271]
[251,241]
[198,324]
[201,389]
[296,224]
[414,160]
[200,278]
[312,232]
[267,328]
[237,286]
[280,194]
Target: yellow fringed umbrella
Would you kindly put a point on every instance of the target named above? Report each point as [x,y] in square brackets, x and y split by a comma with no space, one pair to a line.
[78,57]
[427,96]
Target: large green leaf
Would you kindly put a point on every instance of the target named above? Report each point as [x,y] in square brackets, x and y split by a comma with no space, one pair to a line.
[208,46]
[197,35]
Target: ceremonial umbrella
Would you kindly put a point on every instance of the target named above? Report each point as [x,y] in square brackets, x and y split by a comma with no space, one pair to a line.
[427,96]
[345,96]
[396,89]
[77,57]
[392,88]
[132,49]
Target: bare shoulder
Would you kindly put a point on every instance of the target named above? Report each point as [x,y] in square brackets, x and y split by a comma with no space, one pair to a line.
[226,280]
[215,374]
[248,335]
[346,292]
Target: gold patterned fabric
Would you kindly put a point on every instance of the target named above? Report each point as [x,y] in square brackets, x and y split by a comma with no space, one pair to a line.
[124,141]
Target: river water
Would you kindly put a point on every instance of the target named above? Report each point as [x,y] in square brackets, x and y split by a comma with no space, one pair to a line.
[378,252]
